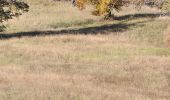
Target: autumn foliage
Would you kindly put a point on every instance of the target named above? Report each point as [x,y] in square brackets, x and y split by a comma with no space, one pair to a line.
[104,7]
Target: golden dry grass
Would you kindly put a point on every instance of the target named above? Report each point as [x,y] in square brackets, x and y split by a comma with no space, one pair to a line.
[125,59]
[46,14]
[82,67]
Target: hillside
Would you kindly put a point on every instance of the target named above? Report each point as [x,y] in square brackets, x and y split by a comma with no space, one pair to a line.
[57,52]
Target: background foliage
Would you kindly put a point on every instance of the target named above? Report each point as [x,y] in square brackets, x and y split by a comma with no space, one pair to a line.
[11,8]
[105,6]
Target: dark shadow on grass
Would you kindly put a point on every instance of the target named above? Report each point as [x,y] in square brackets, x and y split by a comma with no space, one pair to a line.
[104,29]
[141,15]
[89,30]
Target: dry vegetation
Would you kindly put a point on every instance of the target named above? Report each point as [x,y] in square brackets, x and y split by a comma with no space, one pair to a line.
[84,58]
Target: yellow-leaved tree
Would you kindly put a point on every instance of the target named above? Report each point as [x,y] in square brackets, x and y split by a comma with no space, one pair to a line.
[104,7]
[101,6]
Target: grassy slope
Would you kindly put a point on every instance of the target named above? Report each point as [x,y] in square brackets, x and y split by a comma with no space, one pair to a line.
[45,15]
[126,59]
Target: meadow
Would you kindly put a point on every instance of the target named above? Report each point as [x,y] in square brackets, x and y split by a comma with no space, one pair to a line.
[58,52]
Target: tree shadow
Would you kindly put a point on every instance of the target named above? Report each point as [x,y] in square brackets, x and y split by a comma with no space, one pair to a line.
[103,29]
[141,15]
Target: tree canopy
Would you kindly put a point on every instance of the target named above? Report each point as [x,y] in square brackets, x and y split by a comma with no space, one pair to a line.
[10,9]
[105,6]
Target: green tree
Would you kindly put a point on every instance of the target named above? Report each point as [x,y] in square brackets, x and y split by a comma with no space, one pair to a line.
[10,9]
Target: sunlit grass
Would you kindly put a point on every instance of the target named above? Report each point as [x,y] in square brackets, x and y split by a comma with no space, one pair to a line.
[129,62]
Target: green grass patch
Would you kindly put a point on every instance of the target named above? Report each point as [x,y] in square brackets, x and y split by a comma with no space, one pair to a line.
[118,54]
[72,24]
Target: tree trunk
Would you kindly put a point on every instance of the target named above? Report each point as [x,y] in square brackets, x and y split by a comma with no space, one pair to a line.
[109,16]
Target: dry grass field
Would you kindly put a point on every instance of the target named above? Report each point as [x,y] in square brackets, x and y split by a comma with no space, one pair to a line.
[56,52]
